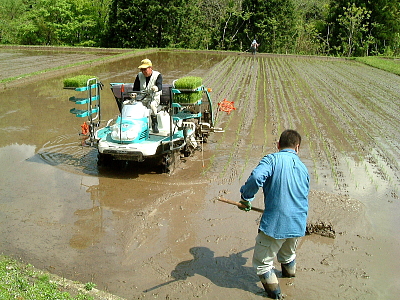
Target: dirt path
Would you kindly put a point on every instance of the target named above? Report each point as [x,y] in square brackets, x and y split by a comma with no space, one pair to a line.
[139,234]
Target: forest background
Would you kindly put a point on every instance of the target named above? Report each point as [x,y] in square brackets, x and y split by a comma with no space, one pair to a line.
[311,27]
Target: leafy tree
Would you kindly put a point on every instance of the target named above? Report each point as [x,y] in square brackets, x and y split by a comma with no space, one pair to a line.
[271,23]
[136,23]
[10,11]
[185,27]
[310,22]
[223,20]
[53,22]
[37,26]
[341,27]
[87,26]
[308,40]
[379,30]
[354,22]
[156,23]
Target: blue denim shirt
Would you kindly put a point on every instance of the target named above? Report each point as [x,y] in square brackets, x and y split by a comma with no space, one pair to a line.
[285,182]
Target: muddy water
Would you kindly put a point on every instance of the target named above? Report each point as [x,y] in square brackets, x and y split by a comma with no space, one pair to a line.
[141,234]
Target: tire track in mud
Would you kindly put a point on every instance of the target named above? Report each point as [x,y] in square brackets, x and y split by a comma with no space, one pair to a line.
[239,123]
[136,232]
[273,97]
[292,95]
[276,79]
[297,93]
[278,102]
[284,99]
[310,121]
[368,90]
[258,136]
[376,106]
[246,113]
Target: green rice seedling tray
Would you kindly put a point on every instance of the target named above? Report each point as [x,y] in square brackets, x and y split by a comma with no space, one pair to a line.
[188,89]
[77,81]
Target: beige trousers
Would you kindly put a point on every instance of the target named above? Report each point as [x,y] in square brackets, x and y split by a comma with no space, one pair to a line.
[267,248]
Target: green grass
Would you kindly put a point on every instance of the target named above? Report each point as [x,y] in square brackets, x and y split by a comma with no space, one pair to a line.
[18,281]
[391,65]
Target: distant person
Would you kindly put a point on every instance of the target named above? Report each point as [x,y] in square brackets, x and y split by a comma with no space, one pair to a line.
[150,81]
[285,183]
[253,47]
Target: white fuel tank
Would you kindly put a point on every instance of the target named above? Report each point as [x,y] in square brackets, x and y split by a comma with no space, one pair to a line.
[134,110]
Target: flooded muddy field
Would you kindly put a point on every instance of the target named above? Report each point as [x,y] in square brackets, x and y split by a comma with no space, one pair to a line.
[141,234]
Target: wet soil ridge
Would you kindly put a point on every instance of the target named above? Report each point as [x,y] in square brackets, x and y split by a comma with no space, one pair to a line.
[27,64]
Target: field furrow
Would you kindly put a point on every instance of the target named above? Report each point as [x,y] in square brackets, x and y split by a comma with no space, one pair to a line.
[339,114]
[361,125]
[378,108]
[239,121]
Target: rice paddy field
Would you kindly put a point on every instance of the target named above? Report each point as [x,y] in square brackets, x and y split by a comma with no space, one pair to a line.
[140,234]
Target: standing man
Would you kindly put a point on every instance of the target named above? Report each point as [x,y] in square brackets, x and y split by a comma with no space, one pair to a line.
[253,47]
[285,183]
[150,81]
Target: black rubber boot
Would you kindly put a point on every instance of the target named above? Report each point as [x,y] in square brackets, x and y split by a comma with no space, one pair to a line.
[271,285]
[154,124]
[289,269]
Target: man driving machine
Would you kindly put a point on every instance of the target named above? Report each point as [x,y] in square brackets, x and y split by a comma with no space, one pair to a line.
[150,82]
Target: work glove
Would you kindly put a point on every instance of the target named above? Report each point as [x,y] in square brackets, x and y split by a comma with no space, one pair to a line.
[154,88]
[246,203]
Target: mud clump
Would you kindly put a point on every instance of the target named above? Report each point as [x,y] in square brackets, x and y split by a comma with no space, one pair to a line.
[331,214]
[321,228]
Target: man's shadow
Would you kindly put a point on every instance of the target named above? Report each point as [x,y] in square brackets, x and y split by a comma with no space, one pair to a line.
[228,272]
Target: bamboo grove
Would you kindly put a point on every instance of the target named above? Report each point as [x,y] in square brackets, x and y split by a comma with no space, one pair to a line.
[312,27]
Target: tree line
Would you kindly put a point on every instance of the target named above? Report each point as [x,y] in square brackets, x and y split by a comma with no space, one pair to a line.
[312,27]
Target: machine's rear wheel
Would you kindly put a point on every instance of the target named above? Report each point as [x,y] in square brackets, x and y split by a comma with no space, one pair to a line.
[169,161]
[103,159]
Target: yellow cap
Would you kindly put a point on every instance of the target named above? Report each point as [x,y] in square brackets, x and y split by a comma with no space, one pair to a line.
[145,63]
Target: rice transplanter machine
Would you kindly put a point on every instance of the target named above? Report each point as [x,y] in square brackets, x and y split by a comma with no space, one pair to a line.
[185,120]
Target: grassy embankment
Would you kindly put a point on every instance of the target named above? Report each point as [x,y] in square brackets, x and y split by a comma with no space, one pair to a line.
[25,282]
[391,65]
[20,281]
